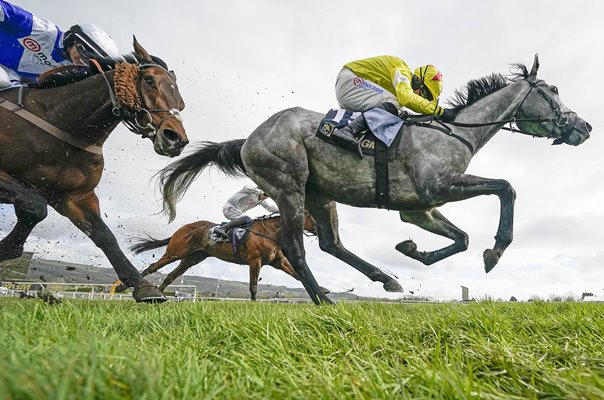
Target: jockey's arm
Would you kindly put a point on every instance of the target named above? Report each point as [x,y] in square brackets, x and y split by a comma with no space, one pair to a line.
[407,98]
[269,207]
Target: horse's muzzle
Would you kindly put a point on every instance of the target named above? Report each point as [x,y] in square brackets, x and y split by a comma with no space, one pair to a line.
[170,140]
[579,134]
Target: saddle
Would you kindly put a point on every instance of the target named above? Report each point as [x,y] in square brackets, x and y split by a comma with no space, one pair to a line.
[237,236]
[337,119]
[370,144]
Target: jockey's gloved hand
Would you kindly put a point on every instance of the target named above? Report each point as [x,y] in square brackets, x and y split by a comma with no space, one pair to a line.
[448,115]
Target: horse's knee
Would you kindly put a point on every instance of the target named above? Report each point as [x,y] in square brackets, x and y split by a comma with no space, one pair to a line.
[33,209]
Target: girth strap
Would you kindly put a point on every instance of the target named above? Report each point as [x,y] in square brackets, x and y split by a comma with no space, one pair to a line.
[49,128]
[381,175]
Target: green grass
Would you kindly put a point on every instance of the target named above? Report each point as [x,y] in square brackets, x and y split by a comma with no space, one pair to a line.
[123,350]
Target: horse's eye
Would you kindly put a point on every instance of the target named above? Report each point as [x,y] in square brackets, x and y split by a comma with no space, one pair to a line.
[554,90]
[150,81]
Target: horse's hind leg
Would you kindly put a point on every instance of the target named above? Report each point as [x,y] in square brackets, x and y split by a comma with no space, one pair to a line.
[30,209]
[186,263]
[432,221]
[326,216]
[284,177]
[280,262]
[163,261]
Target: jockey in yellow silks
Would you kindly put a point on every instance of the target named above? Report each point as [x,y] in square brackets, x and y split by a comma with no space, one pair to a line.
[393,75]
[387,82]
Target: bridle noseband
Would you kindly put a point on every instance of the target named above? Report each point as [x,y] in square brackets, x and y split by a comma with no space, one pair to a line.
[130,117]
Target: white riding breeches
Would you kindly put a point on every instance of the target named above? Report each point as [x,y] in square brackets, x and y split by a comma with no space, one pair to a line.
[359,94]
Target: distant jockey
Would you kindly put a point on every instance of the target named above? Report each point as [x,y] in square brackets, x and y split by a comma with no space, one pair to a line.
[30,45]
[386,82]
[235,207]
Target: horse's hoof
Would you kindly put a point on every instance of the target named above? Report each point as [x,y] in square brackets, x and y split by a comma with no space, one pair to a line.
[490,258]
[120,288]
[324,290]
[407,247]
[147,293]
[321,299]
[393,286]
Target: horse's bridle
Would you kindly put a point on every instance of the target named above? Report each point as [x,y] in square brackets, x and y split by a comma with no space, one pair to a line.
[562,119]
[130,118]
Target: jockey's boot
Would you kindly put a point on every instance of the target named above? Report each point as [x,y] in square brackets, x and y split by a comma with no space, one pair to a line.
[353,133]
[223,230]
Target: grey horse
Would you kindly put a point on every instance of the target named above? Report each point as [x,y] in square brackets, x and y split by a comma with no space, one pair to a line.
[297,169]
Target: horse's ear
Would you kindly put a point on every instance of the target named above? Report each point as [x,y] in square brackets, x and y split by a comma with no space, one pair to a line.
[139,51]
[535,66]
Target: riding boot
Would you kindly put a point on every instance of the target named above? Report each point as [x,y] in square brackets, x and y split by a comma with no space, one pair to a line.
[353,133]
[223,230]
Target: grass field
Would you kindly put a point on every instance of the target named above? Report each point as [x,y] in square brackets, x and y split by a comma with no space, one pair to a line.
[123,350]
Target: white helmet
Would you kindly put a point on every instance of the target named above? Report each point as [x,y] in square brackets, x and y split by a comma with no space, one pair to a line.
[91,41]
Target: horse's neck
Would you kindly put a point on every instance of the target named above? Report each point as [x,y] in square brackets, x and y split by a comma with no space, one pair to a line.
[498,106]
[83,109]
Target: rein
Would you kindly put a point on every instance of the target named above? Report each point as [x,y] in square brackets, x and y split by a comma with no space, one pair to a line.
[561,120]
[128,110]
[60,134]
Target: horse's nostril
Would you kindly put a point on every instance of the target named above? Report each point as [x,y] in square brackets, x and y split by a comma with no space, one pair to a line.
[171,136]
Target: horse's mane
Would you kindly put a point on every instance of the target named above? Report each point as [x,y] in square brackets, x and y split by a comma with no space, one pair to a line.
[477,89]
[81,72]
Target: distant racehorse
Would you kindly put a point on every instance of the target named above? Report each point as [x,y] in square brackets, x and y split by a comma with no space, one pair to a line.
[51,147]
[194,242]
[299,170]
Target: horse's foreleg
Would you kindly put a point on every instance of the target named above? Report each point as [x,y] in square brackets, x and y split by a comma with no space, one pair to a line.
[433,221]
[30,209]
[255,266]
[186,263]
[326,217]
[467,186]
[83,211]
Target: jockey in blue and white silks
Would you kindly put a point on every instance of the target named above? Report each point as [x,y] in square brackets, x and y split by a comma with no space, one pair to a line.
[30,45]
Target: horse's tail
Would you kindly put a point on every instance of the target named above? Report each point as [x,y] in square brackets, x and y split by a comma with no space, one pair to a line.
[175,179]
[148,244]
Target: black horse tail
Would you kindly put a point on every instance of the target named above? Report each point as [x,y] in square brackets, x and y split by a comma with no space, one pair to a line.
[148,244]
[175,179]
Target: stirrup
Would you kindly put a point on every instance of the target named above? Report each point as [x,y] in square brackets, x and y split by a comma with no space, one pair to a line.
[221,233]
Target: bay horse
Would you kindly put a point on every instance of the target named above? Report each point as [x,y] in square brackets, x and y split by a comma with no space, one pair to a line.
[298,170]
[194,242]
[51,147]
